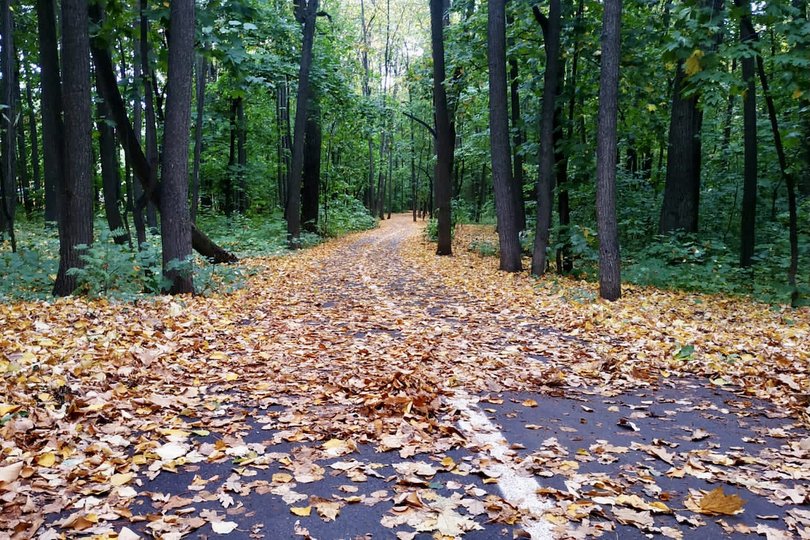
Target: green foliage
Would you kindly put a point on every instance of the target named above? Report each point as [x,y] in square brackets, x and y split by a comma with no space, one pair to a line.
[345,215]
[484,248]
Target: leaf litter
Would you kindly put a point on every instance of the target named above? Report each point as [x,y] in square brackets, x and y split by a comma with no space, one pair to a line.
[346,345]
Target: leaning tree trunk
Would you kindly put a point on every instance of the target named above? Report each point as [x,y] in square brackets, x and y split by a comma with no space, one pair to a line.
[132,148]
[609,261]
[76,188]
[444,137]
[175,222]
[110,174]
[499,139]
[545,186]
[306,12]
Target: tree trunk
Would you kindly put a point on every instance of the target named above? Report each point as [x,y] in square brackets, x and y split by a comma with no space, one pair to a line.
[787,176]
[231,180]
[8,150]
[517,138]
[148,75]
[306,13]
[175,222]
[312,166]
[76,193]
[201,67]
[22,155]
[749,203]
[241,158]
[499,139]
[51,105]
[34,139]
[609,260]
[545,186]
[110,174]
[444,135]
[137,206]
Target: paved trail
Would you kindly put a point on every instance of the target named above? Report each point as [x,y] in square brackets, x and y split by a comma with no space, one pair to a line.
[367,398]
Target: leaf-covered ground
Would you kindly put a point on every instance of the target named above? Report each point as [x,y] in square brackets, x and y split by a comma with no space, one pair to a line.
[334,397]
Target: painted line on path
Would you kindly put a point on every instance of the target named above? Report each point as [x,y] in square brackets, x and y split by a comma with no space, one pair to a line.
[517,489]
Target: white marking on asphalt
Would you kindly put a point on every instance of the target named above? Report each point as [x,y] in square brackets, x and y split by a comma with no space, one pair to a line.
[521,491]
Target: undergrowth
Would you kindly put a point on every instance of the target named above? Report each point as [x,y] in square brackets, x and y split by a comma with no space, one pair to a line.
[123,273]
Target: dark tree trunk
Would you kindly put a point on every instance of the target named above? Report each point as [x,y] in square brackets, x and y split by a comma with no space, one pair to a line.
[517,140]
[76,193]
[413,160]
[110,174]
[312,166]
[787,176]
[230,179]
[306,13]
[444,134]
[51,105]
[749,203]
[34,140]
[545,185]
[499,139]
[129,141]
[286,142]
[22,155]
[137,204]
[8,150]
[367,93]
[241,158]
[680,208]
[201,66]
[609,260]
[175,222]
[152,155]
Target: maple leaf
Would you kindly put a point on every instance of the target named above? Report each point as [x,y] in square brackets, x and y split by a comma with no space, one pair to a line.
[716,503]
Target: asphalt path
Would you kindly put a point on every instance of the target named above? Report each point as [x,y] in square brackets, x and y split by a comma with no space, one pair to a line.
[532,451]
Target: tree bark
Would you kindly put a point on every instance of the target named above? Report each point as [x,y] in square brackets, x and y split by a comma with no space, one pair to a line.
[76,193]
[749,203]
[609,260]
[499,139]
[545,186]
[312,166]
[517,138]
[175,222]
[306,13]
[444,136]
[34,139]
[110,174]
[51,105]
[201,67]
[148,75]
[8,137]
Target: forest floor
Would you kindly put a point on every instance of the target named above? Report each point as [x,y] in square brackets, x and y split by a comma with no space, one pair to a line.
[367,388]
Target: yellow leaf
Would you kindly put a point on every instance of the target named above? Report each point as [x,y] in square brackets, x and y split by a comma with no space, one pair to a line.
[692,64]
[797,94]
[529,403]
[218,356]
[46,460]
[120,479]
[7,409]
[282,478]
[302,511]
[651,107]
[716,503]
[231,376]
[448,463]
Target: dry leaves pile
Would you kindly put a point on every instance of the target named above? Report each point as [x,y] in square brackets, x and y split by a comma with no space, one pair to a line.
[345,345]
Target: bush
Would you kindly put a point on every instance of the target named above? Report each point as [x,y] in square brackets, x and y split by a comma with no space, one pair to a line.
[344,215]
